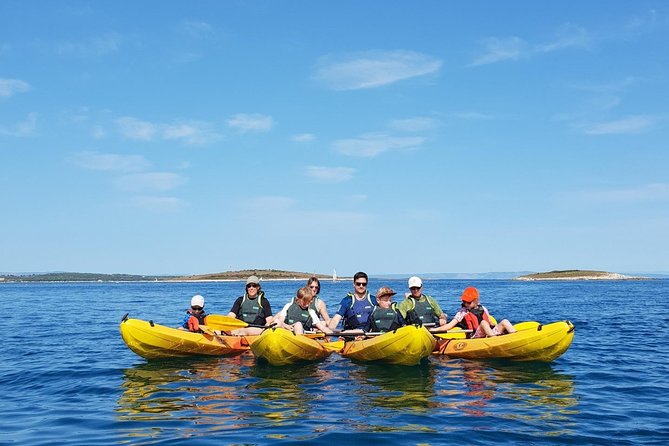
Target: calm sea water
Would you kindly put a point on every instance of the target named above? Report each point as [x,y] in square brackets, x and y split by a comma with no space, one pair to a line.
[67,376]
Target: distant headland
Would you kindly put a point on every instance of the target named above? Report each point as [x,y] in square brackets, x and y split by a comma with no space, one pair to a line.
[577,274]
[263,274]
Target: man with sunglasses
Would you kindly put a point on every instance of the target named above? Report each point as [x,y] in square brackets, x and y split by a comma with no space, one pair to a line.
[252,308]
[356,307]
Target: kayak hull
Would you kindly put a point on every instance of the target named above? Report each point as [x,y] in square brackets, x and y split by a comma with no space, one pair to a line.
[154,341]
[539,342]
[282,347]
[405,346]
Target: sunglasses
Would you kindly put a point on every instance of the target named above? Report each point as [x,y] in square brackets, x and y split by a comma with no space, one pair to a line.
[196,308]
[414,288]
[252,285]
[361,284]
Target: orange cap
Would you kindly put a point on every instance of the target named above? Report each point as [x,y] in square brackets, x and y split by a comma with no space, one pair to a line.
[470,294]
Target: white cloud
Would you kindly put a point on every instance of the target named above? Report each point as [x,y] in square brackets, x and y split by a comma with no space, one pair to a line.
[632,124]
[111,162]
[472,115]
[191,133]
[196,28]
[253,122]
[642,193]
[158,204]
[9,87]
[497,50]
[373,69]
[371,145]
[21,129]
[418,124]
[94,46]
[97,132]
[568,36]
[330,174]
[270,204]
[133,128]
[303,137]
[151,181]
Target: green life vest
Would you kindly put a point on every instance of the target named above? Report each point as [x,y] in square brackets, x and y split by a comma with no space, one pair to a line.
[295,314]
[421,312]
[385,319]
[251,309]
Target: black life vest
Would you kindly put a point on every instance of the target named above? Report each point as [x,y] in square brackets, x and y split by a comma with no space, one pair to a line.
[473,319]
[295,314]
[385,319]
[250,310]
[421,312]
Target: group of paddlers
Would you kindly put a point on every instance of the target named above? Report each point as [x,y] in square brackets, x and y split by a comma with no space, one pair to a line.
[359,311]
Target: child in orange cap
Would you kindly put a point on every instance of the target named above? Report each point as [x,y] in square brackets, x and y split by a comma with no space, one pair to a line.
[474,316]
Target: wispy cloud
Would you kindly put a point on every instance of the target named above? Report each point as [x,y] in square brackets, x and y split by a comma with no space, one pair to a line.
[133,128]
[191,133]
[498,49]
[269,204]
[253,122]
[373,69]
[418,124]
[21,129]
[111,162]
[373,144]
[472,115]
[150,181]
[158,204]
[196,28]
[632,124]
[641,193]
[303,137]
[93,46]
[9,87]
[330,174]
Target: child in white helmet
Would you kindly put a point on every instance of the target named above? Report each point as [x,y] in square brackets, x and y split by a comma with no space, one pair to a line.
[195,315]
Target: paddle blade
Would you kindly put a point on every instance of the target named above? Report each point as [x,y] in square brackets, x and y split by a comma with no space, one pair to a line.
[220,322]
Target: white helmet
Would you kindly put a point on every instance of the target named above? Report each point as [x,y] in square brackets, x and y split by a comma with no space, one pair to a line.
[197,301]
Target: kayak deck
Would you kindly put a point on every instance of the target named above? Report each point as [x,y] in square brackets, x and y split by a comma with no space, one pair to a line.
[536,343]
[154,341]
[407,345]
[281,347]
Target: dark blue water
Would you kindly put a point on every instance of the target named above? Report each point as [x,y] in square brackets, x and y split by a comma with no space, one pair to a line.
[67,376]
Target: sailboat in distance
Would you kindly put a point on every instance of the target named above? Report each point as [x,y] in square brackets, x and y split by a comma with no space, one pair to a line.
[334,275]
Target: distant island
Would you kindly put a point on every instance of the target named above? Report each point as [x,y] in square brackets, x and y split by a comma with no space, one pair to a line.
[577,274]
[263,274]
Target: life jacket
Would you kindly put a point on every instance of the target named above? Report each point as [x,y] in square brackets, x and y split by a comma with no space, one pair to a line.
[385,319]
[357,314]
[250,310]
[421,312]
[314,306]
[192,321]
[473,318]
[295,313]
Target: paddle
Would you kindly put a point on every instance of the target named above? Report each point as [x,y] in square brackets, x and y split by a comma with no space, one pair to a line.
[226,323]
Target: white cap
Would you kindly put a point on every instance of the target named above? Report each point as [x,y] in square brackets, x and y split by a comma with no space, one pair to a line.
[197,301]
[415,282]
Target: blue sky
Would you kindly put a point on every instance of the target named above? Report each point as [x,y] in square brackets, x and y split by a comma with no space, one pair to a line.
[391,137]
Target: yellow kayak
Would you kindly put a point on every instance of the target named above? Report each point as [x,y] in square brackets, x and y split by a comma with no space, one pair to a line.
[154,341]
[281,347]
[532,342]
[406,346]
